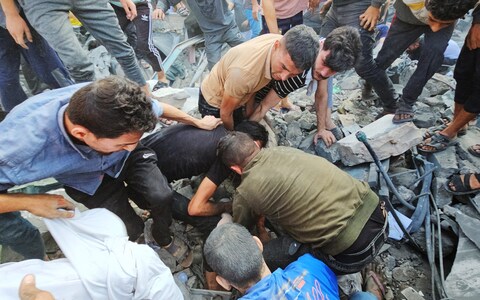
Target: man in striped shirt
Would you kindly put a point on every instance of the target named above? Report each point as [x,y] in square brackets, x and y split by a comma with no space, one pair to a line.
[339,51]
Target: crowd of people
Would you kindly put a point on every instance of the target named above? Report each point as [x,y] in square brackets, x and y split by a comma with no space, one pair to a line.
[88,134]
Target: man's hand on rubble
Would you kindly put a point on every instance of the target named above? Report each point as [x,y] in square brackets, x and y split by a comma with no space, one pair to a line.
[369,19]
[158,14]
[473,37]
[326,135]
[130,9]
[18,29]
[48,206]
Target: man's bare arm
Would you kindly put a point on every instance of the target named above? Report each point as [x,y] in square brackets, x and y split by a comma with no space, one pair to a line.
[321,107]
[270,15]
[227,107]
[270,100]
[42,205]
[200,206]
[16,26]
[172,113]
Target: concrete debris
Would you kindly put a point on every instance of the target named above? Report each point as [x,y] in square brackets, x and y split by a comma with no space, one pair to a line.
[411,294]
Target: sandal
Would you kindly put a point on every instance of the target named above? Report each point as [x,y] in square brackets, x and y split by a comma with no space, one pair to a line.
[438,142]
[433,130]
[474,150]
[462,187]
[373,280]
[403,109]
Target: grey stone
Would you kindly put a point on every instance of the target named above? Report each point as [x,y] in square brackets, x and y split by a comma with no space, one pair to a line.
[411,294]
[405,193]
[329,153]
[445,162]
[294,134]
[404,273]
[470,227]
[390,262]
[403,176]
[172,96]
[424,117]
[307,143]
[441,196]
[440,84]
[186,191]
[308,121]
[360,172]
[292,115]
[350,83]
[462,282]
[387,139]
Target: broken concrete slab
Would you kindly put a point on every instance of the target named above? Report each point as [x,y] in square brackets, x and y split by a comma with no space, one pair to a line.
[440,194]
[470,227]
[462,282]
[445,162]
[386,138]
[172,96]
[411,294]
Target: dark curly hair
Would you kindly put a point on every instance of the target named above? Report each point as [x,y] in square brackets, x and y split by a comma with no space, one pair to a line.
[448,10]
[345,46]
[111,107]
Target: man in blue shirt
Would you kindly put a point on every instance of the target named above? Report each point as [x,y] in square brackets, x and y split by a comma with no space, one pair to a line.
[236,256]
[86,136]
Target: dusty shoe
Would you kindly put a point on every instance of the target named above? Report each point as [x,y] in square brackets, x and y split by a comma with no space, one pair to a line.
[180,251]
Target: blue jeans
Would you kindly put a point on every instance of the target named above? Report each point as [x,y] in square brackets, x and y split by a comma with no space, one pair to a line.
[399,37]
[49,18]
[214,43]
[42,59]
[255,25]
[20,235]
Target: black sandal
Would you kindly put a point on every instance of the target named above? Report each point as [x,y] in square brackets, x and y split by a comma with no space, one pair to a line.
[462,187]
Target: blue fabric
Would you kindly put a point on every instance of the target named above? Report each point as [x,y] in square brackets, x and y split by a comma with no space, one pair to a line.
[39,55]
[306,278]
[35,145]
[363,296]
[255,25]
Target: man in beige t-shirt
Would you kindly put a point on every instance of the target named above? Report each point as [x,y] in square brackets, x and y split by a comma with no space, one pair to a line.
[228,91]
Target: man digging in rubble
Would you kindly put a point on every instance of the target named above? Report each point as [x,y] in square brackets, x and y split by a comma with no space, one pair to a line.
[322,210]
[228,91]
[86,137]
[339,51]
[185,151]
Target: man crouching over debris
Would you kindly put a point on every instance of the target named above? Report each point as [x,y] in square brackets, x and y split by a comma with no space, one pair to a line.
[321,209]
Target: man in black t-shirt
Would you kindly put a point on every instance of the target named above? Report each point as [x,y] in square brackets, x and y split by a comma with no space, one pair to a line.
[184,151]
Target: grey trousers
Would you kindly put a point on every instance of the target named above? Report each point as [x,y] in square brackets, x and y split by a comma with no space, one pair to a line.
[50,19]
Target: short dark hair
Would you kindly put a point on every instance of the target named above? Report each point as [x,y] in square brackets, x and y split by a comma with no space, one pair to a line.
[236,148]
[302,45]
[345,46]
[111,107]
[233,254]
[447,10]
[255,130]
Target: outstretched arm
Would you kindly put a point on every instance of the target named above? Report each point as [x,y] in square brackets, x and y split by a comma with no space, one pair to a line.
[200,206]
[172,113]
[42,205]
[268,8]
[321,107]
[227,107]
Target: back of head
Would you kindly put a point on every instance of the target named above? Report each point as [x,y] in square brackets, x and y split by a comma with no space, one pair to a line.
[233,254]
[449,10]
[255,130]
[345,46]
[111,107]
[236,149]
[302,45]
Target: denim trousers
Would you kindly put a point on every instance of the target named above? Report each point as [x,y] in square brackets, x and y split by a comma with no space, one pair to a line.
[21,236]
[49,18]
[255,25]
[143,183]
[399,37]
[214,43]
[44,62]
